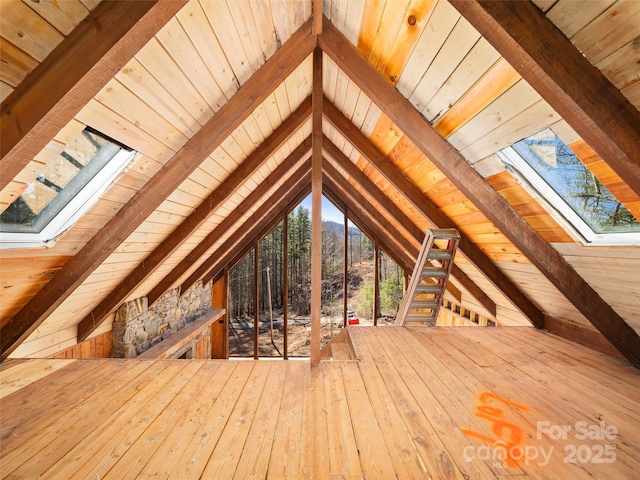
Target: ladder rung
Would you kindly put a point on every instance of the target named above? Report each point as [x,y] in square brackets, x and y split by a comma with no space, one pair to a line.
[434,272]
[420,319]
[428,288]
[439,254]
[422,299]
[424,304]
[446,234]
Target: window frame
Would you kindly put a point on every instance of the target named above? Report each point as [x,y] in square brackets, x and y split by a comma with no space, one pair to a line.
[556,206]
[77,206]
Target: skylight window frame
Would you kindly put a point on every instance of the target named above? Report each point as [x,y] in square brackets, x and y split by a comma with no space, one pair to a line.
[558,208]
[86,197]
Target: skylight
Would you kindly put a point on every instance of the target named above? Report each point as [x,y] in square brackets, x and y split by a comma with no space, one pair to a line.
[63,190]
[574,196]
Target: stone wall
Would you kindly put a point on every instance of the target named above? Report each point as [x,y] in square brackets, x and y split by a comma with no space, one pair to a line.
[137,327]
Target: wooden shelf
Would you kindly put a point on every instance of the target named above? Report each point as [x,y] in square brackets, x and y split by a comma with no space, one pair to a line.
[176,341]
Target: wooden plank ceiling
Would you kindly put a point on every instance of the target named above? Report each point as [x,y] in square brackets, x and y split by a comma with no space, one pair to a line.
[418,96]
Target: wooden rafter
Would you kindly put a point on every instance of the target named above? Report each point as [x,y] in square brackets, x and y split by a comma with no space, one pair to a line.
[264,220]
[564,77]
[360,178]
[361,220]
[241,242]
[194,256]
[393,237]
[317,16]
[385,203]
[360,214]
[266,214]
[275,216]
[194,221]
[72,74]
[316,208]
[432,213]
[157,189]
[354,200]
[445,156]
[339,184]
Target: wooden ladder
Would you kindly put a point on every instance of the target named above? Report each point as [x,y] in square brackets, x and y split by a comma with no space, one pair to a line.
[424,294]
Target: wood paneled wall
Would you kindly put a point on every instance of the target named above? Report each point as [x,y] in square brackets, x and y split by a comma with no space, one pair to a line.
[95,347]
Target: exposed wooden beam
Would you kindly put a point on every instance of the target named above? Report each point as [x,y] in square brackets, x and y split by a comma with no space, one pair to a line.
[157,189]
[564,77]
[360,178]
[219,333]
[72,74]
[269,222]
[364,216]
[194,256]
[374,216]
[317,16]
[241,241]
[361,219]
[387,204]
[435,216]
[316,208]
[195,220]
[384,229]
[267,211]
[335,156]
[485,198]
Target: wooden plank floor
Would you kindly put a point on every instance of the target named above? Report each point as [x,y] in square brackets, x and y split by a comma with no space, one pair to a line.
[418,403]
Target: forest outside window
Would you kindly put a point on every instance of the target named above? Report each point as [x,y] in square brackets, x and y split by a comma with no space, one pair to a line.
[572,194]
[63,190]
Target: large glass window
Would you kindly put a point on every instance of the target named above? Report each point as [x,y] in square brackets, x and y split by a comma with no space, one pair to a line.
[553,173]
[241,307]
[299,272]
[271,293]
[63,190]
[391,286]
